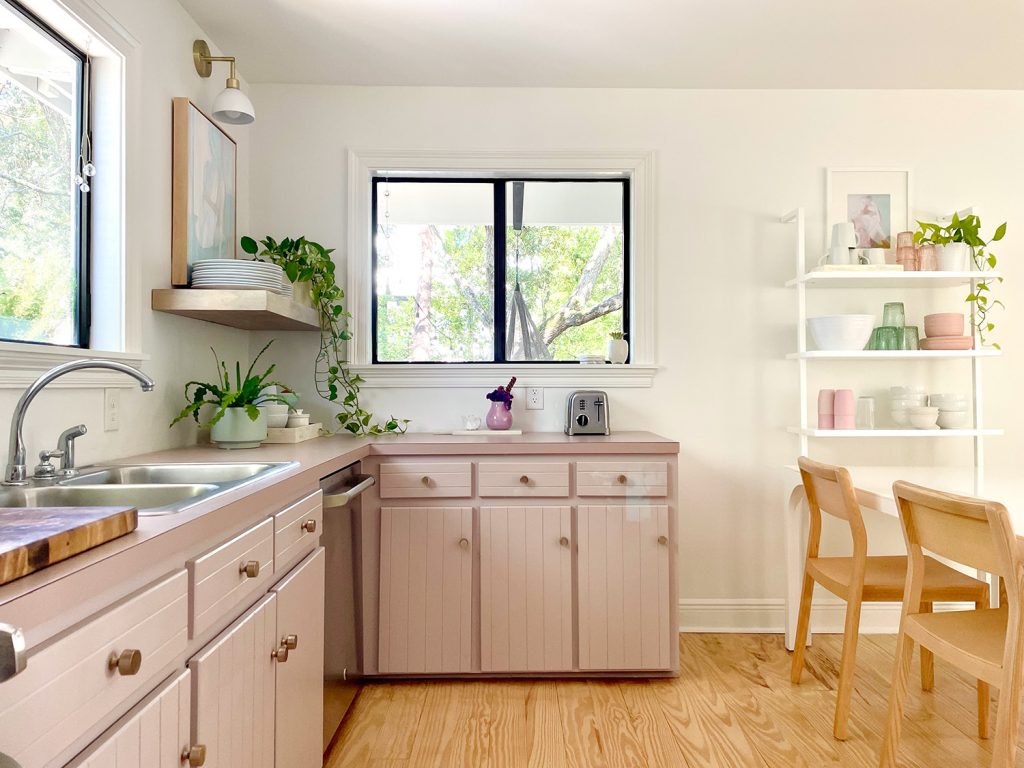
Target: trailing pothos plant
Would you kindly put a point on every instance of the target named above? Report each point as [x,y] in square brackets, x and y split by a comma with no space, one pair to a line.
[305,261]
[246,393]
[968,230]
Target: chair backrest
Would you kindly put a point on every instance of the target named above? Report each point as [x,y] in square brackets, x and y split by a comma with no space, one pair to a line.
[970,531]
[829,489]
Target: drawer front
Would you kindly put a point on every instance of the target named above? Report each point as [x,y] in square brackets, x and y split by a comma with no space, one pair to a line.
[621,478]
[68,686]
[218,581]
[297,530]
[423,480]
[546,479]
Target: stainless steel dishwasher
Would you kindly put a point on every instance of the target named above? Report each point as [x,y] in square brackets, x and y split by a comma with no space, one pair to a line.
[342,657]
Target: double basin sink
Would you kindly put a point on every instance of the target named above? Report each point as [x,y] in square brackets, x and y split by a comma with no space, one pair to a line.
[154,489]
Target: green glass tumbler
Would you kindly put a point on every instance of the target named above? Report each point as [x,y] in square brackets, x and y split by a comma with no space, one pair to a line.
[893,315]
[909,338]
[888,338]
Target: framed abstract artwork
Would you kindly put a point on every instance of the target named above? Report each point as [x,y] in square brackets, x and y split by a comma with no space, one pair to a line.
[203,194]
[875,200]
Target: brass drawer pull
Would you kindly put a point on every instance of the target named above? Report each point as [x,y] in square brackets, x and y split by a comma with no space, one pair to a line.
[622,479]
[127,663]
[309,526]
[281,654]
[464,542]
[663,539]
[564,541]
[194,756]
[524,479]
[425,480]
[250,569]
[291,642]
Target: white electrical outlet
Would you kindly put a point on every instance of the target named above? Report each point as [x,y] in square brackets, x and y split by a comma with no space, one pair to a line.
[535,398]
[111,410]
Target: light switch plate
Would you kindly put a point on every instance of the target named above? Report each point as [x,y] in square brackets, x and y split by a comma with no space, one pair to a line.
[535,398]
[111,410]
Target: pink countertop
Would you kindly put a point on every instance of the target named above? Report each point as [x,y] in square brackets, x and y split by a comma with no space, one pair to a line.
[162,540]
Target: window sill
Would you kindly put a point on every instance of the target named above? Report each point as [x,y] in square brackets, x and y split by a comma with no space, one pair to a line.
[21,364]
[477,375]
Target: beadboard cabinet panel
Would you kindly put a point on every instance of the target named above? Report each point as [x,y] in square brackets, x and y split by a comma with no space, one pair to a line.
[426,590]
[624,594]
[526,589]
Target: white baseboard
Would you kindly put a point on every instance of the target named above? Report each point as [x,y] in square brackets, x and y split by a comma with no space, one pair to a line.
[768,615]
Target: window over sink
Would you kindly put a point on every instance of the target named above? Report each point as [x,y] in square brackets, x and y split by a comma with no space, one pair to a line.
[498,268]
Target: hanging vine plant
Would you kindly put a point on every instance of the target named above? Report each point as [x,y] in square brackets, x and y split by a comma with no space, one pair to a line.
[304,261]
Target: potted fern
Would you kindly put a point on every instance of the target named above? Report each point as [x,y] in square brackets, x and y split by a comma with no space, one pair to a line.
[237,421]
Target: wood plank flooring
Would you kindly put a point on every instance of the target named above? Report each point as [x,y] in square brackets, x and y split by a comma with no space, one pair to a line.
[733,705]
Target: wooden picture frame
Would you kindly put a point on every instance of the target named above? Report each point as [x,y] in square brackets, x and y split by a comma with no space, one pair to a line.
[204,185]
[891,185]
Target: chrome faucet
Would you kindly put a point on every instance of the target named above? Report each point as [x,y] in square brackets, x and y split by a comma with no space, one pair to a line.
[16,473]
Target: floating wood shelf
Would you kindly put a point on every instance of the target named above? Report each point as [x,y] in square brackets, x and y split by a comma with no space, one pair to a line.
[252,310]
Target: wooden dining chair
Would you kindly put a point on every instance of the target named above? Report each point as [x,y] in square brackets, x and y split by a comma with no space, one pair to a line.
[862,578]
[987,644]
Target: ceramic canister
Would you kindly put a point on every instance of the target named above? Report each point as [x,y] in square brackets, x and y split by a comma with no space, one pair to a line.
[845,409]
[826,409]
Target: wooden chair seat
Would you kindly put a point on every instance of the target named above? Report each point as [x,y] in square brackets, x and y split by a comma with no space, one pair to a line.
[973,640]
[885,578]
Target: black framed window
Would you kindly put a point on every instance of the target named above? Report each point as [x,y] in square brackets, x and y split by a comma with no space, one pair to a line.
[494,270]
[44,253]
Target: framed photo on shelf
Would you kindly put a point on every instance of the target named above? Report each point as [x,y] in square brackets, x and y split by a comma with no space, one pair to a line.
[203,193]
[875,200]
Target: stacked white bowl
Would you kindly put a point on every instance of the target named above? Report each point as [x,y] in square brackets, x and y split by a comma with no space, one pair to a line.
[904,400]
[953,409]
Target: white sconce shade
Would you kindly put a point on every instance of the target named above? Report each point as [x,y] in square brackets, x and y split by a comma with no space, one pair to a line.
[232,106]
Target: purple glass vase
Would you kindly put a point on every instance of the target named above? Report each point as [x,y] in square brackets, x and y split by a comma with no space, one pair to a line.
[499,417]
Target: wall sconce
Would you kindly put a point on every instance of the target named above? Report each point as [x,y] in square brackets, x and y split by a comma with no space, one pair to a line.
[231,105]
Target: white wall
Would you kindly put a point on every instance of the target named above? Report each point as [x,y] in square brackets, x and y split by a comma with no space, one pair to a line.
[728,164]
[178,347]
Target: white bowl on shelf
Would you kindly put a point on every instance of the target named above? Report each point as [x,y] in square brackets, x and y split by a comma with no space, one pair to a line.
[901,416]
[841,333]
[923,417]
[952,419]
[948,402]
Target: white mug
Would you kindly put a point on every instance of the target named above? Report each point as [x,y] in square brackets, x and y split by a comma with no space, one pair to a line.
[875,256]
[844,234]
[840,254]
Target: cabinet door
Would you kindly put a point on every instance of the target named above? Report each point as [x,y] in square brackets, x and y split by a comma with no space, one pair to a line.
[526,589]
[300,678]
[426,590]
[624,610]
[233,691]
[153,735]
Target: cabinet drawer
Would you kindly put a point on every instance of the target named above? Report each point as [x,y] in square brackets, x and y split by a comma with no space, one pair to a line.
[621,478]
[426,480]
[297,530]
[549,479]
[68,686]
[218,580]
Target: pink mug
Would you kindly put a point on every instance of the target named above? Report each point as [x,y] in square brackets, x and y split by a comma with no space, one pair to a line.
[845,409]
[826,409]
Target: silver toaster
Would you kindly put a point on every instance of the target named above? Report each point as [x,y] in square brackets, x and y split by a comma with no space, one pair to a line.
[586,413]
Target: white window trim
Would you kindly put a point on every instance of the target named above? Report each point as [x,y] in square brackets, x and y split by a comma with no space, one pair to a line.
[116,277]
[636,165]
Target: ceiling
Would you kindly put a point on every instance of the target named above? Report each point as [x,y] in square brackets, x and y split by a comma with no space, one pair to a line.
[629,43]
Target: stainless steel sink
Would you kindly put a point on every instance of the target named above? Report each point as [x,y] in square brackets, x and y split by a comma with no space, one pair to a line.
[155,489]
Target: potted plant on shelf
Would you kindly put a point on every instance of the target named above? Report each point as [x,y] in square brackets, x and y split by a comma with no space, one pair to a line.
[305,261]
[237,422]
[961,248]
[618,348]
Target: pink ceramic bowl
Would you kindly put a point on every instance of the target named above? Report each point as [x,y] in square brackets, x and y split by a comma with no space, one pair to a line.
[944,324]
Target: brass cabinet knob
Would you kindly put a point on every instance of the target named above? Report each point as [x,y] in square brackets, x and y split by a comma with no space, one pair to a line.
[622,479]
[194,756]
[281,654]
[128,662]
[663,539]
[564,541]
[309,526]
[464,542]
[291,642]
[524,479]
[425,480]
[250,569]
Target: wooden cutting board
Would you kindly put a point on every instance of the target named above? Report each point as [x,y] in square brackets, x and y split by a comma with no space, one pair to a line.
[35,537]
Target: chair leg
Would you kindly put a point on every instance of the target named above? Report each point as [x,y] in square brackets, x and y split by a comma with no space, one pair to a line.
[1004,742]
[897,700]
[844,690]
[803,621]
[927,659]
[984,694]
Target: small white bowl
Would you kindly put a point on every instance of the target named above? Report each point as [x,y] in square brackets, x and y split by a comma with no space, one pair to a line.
[907,391]
[952,419]
[901,416]
[277,414]
[923,417]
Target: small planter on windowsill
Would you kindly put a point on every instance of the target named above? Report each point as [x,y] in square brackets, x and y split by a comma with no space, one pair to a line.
[618,348]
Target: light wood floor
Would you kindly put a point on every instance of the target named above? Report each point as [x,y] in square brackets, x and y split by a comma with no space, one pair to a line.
[733,705]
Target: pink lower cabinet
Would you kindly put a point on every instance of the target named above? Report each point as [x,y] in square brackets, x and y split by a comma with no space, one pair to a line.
[426,590]
[155,734]
[233,691]
[526,589]
[300,674]
[624,598]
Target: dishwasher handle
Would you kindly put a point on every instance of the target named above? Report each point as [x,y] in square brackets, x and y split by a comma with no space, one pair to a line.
[339,500]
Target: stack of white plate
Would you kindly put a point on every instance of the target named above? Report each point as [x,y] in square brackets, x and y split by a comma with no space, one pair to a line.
[237,275]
